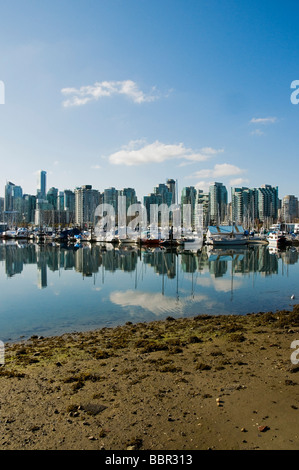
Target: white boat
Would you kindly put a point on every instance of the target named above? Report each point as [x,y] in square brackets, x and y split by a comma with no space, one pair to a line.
[86,236]
[10,234]
[107,237]
[22,233]
[192,242]
[226,235]
[276,239]
[254,238]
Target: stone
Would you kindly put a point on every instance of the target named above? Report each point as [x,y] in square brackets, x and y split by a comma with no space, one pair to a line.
[263,428]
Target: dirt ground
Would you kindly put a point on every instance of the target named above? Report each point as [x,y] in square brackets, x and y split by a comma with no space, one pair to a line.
[208,382]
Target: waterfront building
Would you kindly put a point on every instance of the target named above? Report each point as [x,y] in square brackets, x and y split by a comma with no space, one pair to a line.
[86,202]
[69,200]
[201,209]
[52,195]
[268,203]
[244,206]
[13,204]
[163,194]
[8,196]
[60,201]
[172,187]
[17,203]
[218,203]
[110,197]
[29,208]
[150,199]
[53,218]
[289,210]
[69,205]
[162,191]
[188,197]
[130,195]
[1,208]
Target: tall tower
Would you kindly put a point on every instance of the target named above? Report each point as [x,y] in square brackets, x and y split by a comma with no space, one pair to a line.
[8,200]
[171,184]
[42,184]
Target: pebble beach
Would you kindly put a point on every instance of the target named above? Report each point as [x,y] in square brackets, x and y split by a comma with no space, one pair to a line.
[207,382]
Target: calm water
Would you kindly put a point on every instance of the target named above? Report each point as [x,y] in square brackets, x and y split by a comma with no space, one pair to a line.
[49,290]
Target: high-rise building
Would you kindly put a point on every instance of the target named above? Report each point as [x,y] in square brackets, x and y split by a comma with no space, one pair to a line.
[29,208]
[172,187]
[162,195]
[86,202]
[201,209]
[69,205]
[60,201]
[13,204]
[1,208]
[218,203]
[130,195]
[244,206]
[69,200]
[289,208]
[188,197]
[110,197]
[18,203]
[52,197]
[150,199]
[163,190]
[267,202]
[42,184]
[8,197]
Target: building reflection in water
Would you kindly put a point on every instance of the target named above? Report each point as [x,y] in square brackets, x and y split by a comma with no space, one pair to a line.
[91,259]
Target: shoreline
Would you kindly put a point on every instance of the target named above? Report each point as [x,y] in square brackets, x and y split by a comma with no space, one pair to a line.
[205,382]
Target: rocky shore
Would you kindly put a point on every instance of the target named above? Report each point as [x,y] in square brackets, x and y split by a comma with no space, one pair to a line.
[206,382]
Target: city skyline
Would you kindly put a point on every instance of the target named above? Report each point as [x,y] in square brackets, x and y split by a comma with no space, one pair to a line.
[179,188]
[83,204]
[135,92]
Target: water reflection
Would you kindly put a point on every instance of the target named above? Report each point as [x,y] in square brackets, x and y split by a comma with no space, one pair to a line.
[91,259]
[51,289]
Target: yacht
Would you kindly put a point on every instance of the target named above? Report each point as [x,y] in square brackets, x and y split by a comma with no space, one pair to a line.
[276,239]
[226,235]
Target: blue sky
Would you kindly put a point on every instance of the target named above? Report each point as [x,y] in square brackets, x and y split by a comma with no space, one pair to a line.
[128,93]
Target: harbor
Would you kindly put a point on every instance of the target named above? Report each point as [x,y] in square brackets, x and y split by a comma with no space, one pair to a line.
[218,235]
[149,228]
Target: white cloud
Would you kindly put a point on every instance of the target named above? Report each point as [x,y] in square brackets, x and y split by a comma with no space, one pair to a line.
[220,284]
[219,170]
[157,303]
[211,151]
[268,120]
[81,96]
[238,181]
[139,152]
[257,132]
[203,186]
[96,167]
